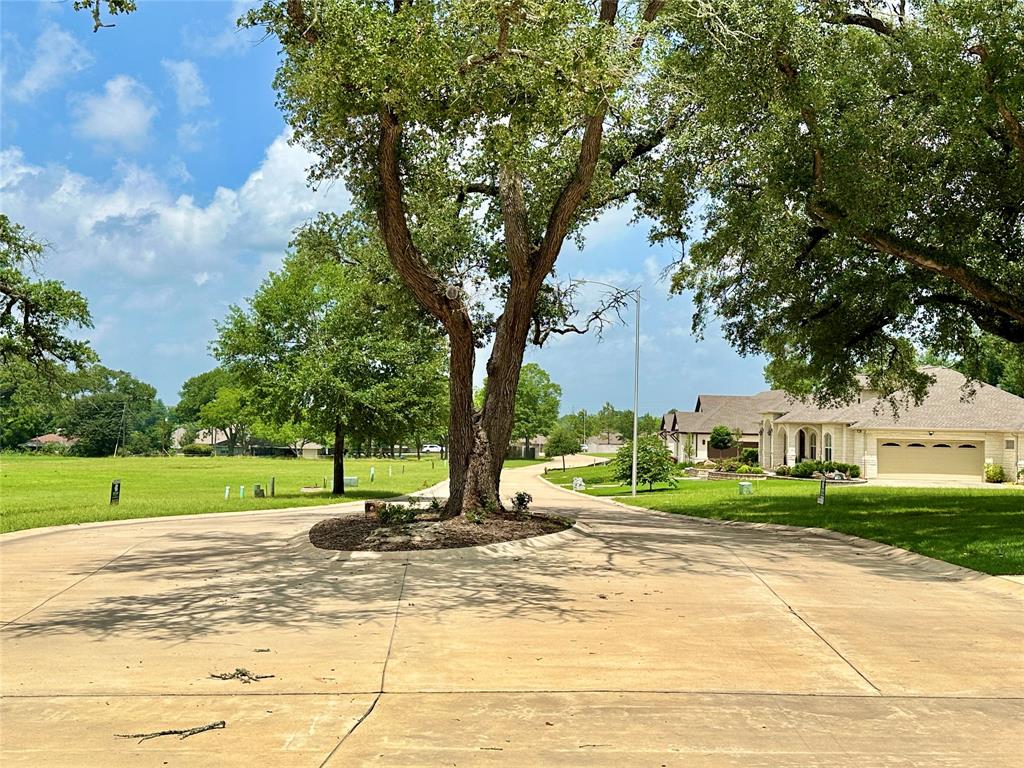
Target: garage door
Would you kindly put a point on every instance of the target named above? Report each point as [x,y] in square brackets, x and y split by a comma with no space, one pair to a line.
[953,459]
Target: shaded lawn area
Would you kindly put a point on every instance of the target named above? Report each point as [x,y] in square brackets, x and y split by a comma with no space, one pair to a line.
[37,491]
[977,528]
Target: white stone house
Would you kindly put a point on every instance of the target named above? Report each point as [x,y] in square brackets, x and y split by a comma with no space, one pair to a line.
[686,433]
[950,436]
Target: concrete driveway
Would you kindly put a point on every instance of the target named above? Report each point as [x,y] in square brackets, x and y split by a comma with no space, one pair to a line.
[641,640]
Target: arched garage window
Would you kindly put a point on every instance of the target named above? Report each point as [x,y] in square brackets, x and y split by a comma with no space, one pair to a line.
[967,445]
[828,446]
[941,445]
[915,445]
[890,445]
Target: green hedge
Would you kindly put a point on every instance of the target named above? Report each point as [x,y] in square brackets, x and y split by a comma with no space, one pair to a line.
[197,449]
[808,468]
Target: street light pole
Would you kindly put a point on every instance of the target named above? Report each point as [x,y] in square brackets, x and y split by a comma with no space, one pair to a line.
[635,295]
[636,387]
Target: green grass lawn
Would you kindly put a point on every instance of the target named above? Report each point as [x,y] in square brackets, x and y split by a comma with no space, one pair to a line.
[48,490]
[978,528]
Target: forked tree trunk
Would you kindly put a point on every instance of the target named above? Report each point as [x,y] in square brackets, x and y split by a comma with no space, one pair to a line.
[475,459]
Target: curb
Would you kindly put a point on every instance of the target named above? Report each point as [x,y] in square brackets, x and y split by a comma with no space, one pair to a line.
[951,571]
[516,547]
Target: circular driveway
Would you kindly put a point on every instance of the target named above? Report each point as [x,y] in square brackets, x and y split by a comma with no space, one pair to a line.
[644,639]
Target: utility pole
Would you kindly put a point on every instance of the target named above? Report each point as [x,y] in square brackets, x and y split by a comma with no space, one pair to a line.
[120,428]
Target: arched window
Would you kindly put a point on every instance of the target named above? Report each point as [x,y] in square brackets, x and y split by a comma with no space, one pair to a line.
[890,445]
[915,445]
[941,445]
[814,446]
[828,446]
[967,445]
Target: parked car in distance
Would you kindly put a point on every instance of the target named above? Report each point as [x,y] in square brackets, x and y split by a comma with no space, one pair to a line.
[431,448]
[584,448]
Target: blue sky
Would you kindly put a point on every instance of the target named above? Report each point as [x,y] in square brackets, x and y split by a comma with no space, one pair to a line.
[152,160]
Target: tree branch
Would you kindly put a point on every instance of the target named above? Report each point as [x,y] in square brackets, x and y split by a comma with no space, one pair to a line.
[429,290]
[930,260]
[867,22]
[1010,120]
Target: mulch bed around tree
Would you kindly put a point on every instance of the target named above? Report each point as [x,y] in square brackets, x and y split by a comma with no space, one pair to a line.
[428,532]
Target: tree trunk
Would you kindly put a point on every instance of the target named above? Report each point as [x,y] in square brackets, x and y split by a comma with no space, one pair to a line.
[338,482]
[461,359]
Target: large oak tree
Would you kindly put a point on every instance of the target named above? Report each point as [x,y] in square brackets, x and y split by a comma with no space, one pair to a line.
[864,164]
[482,133]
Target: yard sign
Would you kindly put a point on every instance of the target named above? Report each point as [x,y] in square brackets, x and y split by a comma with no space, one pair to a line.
[821,493]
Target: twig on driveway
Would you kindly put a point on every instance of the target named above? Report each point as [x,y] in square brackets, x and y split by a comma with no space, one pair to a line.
[181,733]
[240,674]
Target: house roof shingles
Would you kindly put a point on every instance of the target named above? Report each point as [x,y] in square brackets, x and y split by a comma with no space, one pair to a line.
[743,411]
[946,406]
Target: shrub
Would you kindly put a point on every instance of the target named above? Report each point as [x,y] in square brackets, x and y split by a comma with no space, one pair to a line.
[748,455]
[396,514]
[994,473]
[805,469]
[721,438]
[783,470]
[653,462]
[197,449]
[521,502]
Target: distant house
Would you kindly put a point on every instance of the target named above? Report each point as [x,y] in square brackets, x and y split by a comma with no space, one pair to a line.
[517,448]
[686,433]
[605,443]
[37,443]
[948,437]
[218,440]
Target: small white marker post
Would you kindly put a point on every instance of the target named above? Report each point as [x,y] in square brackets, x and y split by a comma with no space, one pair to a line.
[227,492]
[389,470]
[241,491]
[372,473]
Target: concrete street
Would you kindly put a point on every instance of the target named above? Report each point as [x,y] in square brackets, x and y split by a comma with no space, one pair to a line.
[636,639]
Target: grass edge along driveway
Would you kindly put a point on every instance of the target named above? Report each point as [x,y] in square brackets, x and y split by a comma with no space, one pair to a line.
[978,528]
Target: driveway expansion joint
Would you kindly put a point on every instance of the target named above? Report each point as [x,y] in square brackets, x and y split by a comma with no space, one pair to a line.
[383,671]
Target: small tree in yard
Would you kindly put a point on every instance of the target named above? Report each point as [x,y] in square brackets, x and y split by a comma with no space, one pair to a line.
[562,441]
[722,438]
[653,462]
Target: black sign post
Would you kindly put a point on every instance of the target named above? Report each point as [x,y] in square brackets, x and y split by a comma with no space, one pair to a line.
[821,493]
[115,492]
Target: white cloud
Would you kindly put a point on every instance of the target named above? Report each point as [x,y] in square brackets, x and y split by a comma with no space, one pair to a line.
[189,88]
[190,134]
[121,114]
[201,278]
[57,57]
[229,40]
[136,227]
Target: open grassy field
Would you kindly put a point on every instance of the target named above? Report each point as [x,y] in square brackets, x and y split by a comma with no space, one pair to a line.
[46,490]
[978,528]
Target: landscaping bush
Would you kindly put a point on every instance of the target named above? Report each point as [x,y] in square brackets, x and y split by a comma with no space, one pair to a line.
[808,468]
[748,455]
[521,502]
[783,470]
[805,469]
[197,449]
[994,473]
[653,462]
[396,514]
